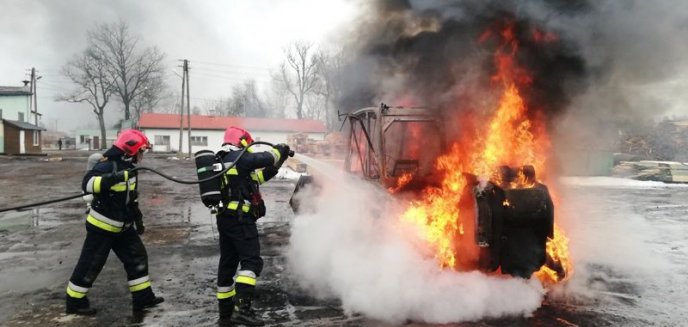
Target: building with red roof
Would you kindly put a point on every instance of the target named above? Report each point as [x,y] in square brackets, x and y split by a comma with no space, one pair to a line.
[207,131]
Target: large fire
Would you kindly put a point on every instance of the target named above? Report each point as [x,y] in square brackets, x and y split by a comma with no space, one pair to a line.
[509,135]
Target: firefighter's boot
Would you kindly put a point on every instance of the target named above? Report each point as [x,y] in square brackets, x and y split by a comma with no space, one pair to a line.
[79,306]
[244,314]
[226,308]
[145,299]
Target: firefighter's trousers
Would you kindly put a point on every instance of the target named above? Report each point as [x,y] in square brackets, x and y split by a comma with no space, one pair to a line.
[129,249]
[239,245]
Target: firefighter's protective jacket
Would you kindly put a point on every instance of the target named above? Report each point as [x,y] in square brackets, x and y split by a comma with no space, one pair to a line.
[114,207]
[240,185]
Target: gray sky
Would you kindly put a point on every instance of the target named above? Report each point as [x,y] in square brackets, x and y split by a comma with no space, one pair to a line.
[226,41]
[641,42]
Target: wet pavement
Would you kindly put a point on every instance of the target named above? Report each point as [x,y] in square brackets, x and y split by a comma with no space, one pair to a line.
[631,260]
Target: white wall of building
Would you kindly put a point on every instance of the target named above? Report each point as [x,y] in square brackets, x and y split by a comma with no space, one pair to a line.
[81,137]
[213,138]
[12,105]
[157,136]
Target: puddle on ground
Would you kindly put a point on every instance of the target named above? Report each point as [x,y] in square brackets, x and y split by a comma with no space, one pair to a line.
[12,221]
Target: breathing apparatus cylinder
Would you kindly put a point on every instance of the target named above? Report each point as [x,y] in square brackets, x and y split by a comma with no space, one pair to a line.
[92,161]
[206,166]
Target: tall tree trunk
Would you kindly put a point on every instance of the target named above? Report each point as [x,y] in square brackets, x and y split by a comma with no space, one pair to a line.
[126,110]
[101,122]
[328,114]
[299,109]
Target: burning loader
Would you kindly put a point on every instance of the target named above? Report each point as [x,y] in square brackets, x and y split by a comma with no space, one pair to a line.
[514,214]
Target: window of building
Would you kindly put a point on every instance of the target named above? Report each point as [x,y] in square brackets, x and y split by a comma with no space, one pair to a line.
[162,140]
[36,138]
[21,116]
[199,140]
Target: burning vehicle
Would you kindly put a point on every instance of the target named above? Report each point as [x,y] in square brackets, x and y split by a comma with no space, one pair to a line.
[514,213]
[478,199]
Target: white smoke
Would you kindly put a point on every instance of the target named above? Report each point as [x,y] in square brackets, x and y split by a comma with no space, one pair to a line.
[352,246]
[605,231]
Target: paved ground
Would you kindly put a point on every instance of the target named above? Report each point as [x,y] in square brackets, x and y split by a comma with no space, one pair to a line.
[39,248]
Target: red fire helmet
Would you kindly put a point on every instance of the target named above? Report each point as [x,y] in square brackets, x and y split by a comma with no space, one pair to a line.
[237,136]
[132,141]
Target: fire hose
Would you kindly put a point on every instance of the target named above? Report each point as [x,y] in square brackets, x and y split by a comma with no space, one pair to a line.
[168,177]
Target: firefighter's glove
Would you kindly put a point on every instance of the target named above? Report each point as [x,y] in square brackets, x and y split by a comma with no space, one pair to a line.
[284,153]
[138,219]
[138,223]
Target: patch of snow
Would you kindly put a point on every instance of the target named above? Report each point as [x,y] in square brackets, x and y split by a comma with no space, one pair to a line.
[288,173]
[615,182]
[65,318]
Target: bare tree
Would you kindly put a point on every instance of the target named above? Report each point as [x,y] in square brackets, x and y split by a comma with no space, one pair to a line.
[233,105]
[167,102]
[329,67]
[314,107]
[248,94]
[298,74]
[93,85]
[244,102]
[277,100]
[212,107]
[133,72]
[149,98]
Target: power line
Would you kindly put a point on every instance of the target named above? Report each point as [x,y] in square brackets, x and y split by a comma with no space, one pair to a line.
[229,78]
[50,84]
[233,76]
[57,77]
[205,69]
[229,65]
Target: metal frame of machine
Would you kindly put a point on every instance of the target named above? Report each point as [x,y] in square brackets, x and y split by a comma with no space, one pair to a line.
[368,148]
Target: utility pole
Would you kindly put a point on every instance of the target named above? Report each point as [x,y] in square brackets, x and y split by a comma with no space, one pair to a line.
[181,118]
[34,99]
[188,104]
[185,91]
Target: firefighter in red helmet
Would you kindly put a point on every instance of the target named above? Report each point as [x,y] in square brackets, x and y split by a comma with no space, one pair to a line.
[236,223]
[114,222]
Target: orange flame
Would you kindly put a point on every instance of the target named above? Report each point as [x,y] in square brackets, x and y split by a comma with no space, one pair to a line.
[557,251]
[509,137]
[401,182]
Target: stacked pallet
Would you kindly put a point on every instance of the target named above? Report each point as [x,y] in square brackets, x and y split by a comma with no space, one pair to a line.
[298,142]
[332,146]
[337,144]
[663,171]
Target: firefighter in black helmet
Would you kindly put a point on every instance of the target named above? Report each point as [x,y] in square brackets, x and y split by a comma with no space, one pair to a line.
[236,223]
[110,223]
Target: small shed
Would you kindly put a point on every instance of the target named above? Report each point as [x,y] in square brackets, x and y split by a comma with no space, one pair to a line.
[21,137]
